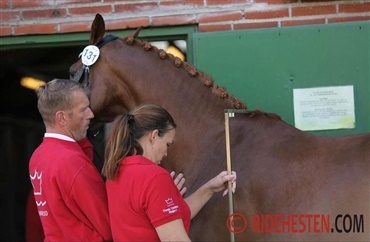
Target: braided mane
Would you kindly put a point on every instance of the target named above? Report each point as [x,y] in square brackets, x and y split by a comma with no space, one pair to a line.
[193,72]
[259,113]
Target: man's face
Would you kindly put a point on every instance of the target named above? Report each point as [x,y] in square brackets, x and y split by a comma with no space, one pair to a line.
[78,119]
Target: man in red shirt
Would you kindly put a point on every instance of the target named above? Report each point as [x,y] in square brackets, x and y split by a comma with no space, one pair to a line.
[69,191]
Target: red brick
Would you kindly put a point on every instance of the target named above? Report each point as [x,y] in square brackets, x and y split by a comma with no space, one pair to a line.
[276,1]
[190,3]
[348,19]
[174,20]
[136,7]
[127,23]
[354,8]
[258,25]
[5,30]
[4,4]
[313,10]
[225,2]
[197,2]
[70,2]
[220,16]
[115,1]
[45,13]
[315,1]
[302,22]
[74,27]
[214,27]
[9,16]
[30,3]
[267,14]
[90,10]
[35,29]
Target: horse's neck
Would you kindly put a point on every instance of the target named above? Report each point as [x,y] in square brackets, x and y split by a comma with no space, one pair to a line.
[183,90]
[196,105]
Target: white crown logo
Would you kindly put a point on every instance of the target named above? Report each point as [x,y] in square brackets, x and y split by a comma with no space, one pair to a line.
[169,201]
[36,181]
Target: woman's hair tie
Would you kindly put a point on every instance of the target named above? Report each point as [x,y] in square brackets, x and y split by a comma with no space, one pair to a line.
[130,118]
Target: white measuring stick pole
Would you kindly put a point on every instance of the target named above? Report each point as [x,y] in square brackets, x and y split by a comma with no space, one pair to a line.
[228,163]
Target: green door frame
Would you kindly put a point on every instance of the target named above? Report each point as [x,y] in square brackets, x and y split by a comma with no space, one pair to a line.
[69,39]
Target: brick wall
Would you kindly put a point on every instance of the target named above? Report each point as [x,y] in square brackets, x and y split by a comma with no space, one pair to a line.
[25,17]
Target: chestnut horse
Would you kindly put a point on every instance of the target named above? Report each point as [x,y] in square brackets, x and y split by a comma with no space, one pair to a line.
[291,185]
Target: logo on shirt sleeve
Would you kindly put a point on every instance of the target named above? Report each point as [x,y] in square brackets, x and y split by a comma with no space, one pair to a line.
[36,180]
[170,206]
[169,202]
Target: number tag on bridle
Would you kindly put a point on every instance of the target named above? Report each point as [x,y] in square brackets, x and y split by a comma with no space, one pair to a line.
[90,55]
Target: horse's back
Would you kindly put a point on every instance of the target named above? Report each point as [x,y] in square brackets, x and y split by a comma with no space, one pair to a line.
[289,172]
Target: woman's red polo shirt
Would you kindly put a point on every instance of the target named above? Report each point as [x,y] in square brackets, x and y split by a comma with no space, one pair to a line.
[141,197]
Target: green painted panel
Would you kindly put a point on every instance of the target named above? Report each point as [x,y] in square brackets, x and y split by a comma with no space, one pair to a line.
[262,67]
[30,41]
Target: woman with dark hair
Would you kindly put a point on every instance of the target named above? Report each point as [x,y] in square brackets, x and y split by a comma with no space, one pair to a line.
[145,203]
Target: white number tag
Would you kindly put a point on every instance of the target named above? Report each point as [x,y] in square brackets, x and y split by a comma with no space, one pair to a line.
[90,55]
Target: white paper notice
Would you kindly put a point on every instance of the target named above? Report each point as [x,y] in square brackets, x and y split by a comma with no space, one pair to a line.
[324,108]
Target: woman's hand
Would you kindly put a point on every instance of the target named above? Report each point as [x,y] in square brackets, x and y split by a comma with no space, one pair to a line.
[202,195]
[219,182]
[179,182]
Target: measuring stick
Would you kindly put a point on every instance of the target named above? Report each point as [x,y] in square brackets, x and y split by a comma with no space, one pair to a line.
[228,162]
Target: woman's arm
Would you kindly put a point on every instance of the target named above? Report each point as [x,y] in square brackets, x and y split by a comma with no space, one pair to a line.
[201,196]
[172,231]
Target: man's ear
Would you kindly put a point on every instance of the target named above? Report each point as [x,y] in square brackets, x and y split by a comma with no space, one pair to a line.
[60,117]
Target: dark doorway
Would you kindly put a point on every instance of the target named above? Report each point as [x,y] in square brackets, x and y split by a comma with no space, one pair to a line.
[44,63]
[21,125]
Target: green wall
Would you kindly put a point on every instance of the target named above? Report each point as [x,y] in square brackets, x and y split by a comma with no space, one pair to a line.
[262,67]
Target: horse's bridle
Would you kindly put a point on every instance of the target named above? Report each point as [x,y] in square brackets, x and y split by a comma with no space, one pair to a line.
[84,70]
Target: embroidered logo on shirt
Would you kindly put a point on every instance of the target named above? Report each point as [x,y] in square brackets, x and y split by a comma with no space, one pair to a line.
[36,181]
[40,203]
[169,202]
[171,207]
